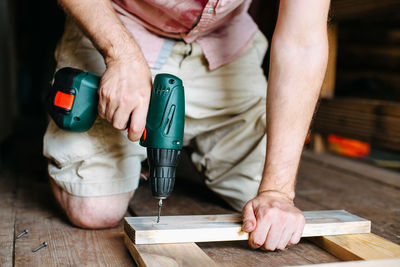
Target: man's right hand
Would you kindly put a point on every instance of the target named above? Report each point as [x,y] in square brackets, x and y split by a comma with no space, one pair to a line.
[125,94]
[126,84]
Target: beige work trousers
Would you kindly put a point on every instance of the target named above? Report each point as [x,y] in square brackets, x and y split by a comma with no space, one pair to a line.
[225,125]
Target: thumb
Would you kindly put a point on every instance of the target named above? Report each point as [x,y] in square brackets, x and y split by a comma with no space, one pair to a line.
[249,219]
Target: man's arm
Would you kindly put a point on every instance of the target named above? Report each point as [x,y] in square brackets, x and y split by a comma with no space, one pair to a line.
[298,62]
[126,84]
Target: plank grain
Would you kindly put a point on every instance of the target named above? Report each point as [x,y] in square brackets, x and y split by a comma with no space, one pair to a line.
[168,255]
[358,247]
[364,263]
[354,167]
[228,227]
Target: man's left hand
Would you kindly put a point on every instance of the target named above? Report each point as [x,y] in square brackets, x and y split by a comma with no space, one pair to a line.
[272,221]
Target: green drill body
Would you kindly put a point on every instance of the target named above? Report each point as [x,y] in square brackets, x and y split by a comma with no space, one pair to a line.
[73,106]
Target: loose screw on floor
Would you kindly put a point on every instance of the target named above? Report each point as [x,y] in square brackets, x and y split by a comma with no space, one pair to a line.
[44,244]
[23,233]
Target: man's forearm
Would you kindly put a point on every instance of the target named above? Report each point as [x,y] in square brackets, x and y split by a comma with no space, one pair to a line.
[298,63]
[98,19]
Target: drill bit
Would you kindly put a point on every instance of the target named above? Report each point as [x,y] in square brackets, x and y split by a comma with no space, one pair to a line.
[159,210]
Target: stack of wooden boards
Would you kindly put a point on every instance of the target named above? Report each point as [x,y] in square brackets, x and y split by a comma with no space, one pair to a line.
[373,121]
[146,240]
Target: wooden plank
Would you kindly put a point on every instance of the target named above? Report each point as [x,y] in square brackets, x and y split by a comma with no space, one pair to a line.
[184,254]
[361,169]
[7,218]
[358,247]
[372,263]
[211,228]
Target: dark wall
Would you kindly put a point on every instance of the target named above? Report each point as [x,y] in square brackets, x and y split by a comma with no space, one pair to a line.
[35,29]
[38,26]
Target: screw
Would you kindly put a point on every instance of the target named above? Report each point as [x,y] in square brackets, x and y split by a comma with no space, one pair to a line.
[23,233]
[44,244]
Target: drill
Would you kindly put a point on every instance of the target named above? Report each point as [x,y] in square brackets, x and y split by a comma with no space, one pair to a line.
[73,104]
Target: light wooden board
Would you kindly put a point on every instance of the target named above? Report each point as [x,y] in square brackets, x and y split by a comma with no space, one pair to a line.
[165,255]
[358,247]
[208,228]
[373,263]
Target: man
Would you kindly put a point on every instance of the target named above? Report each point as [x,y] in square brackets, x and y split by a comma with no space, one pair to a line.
[217,50]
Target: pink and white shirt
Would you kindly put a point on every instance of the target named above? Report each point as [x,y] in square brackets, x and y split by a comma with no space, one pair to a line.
[223,28]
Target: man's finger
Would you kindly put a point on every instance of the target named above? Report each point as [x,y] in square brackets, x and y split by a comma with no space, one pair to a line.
[120,119]
[285,238]
[258,236]
[112,106]
[249,219]
[138,122]
[102,106]
[273,236]
[297,234]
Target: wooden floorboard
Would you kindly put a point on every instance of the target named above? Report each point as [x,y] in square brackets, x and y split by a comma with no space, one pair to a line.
[355,167]
[319,188]
[336,189]
[7,217]
[67,245]
[363,263]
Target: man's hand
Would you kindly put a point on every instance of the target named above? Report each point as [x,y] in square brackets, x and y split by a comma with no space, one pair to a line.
[126,84]
[272,221]
[124,95]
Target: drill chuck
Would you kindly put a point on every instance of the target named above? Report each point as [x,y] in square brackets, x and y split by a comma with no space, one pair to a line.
[162,163]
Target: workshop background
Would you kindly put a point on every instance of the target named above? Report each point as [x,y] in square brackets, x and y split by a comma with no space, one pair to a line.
[351,159]
[364,68]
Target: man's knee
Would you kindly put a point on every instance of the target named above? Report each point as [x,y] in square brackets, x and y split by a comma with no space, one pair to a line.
[96,212]
[93,212]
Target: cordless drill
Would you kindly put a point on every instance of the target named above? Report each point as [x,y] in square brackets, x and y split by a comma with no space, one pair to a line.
[73,107]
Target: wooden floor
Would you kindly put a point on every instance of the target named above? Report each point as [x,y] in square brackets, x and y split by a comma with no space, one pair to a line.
[26,203]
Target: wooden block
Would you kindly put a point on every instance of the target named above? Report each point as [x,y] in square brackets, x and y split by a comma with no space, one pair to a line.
[208,228]
[184,254]
[358,247]
[373,263]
